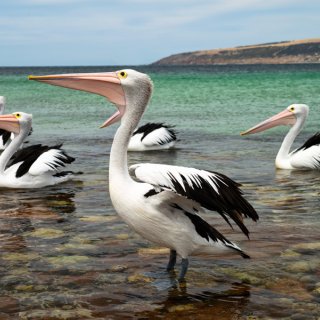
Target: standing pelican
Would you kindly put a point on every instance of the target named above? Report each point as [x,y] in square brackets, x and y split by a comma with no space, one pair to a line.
[164,202]
[31,167]
[4,135]
[305,157]
[152,136]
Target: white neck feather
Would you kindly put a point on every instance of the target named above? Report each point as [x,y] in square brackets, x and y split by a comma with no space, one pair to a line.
[118,167]
[137,97]
[283,156]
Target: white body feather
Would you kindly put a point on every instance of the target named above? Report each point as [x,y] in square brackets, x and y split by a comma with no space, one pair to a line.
[9,180]
[156,220]
[306,158]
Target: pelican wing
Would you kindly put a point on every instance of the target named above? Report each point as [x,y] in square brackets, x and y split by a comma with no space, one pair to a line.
[38,159]
[308,155]
[156,134]
[212,190]
[306,158]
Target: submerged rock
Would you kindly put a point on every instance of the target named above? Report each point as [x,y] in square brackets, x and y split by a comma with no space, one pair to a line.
[55,314]
[67,261]
[241,275]
[303,266]
[122,236]
[290,254]
[316,290]
[21,257]
[98,218]
[290,287]
[111,278]
[138,277]
[298,266]
[153,251]
[307,246]
[46,233]
[118,268]
[182,308]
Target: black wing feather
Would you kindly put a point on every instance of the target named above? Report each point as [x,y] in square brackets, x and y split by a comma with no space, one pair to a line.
[229,201]
[5,135]
[30,154]
[150,126]
[205,230]
[312,141]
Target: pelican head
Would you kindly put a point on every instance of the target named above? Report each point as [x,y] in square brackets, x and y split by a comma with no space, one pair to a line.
[288,116]
[2,104]
[123,88]
[16,122]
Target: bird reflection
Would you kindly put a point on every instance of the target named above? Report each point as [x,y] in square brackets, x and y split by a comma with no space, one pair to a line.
[292,177]
[46,199]
[22,210]
[230,302]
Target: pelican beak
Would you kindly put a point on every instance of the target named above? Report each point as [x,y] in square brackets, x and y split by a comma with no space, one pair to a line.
[285,117]
[9,123]
[106,84]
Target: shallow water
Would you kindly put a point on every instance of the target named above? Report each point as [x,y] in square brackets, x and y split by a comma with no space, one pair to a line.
[65,254]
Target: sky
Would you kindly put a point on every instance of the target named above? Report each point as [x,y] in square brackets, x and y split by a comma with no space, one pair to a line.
[139,32]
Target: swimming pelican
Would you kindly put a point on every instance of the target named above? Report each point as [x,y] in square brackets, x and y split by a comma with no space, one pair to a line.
[34,166]
[152,136]
[163,203]
[305,157]
[4,135]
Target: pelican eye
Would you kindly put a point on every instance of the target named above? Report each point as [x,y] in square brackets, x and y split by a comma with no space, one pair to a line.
[122,74]
[291,109]
[17,115]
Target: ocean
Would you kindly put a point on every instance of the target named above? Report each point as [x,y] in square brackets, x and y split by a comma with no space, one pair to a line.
[65,254]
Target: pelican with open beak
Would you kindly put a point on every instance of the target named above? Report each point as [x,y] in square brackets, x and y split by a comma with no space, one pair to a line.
[161,202]
[305,157]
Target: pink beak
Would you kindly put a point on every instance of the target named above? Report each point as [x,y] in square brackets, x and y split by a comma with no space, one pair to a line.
[284,117]
[9,123]
[106,84]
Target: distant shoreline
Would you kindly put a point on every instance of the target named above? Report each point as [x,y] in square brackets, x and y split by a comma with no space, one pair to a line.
[284,52]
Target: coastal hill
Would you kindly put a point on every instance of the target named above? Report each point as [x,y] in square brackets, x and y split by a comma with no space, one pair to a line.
[297,51]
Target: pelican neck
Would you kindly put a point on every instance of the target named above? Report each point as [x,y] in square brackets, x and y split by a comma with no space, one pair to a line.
[11,149]
[118,166]
[284,151]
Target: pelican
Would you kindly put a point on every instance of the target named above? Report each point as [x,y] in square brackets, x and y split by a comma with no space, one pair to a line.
[34,166]
[163,202]
[152,136]
[4,135]
[305,157]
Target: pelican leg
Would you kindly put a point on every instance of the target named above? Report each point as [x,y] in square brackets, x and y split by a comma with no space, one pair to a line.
[172,260]
[184,268]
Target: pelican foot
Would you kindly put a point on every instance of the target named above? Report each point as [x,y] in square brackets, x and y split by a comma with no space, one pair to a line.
[172,260]
[184,269]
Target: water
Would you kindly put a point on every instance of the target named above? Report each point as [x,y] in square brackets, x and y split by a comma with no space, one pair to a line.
[65,254]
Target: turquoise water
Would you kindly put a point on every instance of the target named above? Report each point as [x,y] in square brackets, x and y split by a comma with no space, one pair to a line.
[64,253]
